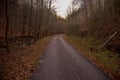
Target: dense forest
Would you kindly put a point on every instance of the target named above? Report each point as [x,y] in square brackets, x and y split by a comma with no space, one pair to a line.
[98,19]
[23,22]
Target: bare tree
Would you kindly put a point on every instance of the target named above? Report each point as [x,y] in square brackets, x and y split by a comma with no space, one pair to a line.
[7,25]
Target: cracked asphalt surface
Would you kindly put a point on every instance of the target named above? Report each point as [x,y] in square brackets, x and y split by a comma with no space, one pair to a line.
[62,62]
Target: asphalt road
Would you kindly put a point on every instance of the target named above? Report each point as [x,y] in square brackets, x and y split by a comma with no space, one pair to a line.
[61,62]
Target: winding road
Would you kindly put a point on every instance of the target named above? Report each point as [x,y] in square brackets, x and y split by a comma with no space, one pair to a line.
[62,62]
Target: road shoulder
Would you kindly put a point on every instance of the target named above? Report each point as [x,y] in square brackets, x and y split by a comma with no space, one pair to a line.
[74,42]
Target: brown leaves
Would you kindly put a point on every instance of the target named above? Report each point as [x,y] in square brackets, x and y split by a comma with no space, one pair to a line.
[20,63]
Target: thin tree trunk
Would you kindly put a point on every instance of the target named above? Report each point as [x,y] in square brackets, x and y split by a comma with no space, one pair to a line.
[40,19]
[7,26]
[109,39]
[30,22]
[86,16]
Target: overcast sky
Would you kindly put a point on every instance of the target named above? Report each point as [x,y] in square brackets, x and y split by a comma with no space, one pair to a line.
[62,6]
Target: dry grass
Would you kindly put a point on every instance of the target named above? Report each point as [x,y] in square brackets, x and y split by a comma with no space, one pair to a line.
[19,64]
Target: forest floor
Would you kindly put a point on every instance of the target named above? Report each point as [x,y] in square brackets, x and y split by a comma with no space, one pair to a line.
[106,60]
[21,62]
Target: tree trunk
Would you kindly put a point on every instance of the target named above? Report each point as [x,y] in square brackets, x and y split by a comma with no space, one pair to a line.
[40,19]
[7,26]
[109,39]
[30,22]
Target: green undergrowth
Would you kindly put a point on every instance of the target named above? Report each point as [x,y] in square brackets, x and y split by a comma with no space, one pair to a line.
[109,60]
